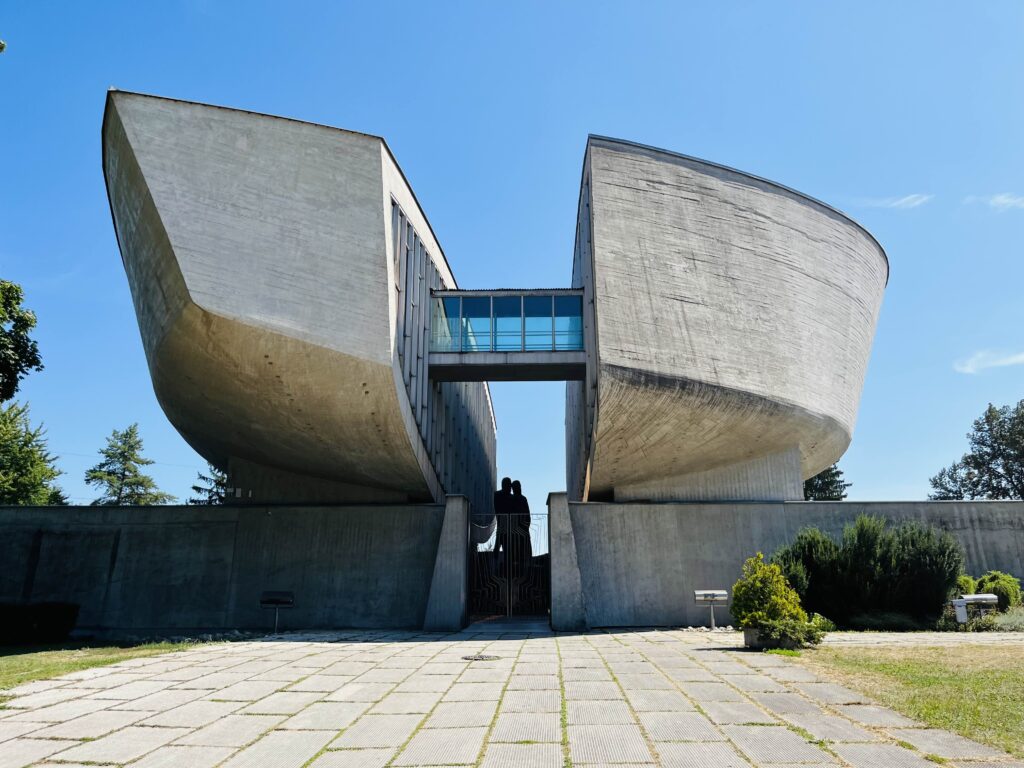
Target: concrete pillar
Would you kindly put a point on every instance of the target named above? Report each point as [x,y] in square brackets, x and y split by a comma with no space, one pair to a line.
[449,588]
[567,610]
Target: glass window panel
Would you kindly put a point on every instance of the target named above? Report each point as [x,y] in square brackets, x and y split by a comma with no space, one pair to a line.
[568,322]
[537,319]
[508,323]
[476,324]
[444,327]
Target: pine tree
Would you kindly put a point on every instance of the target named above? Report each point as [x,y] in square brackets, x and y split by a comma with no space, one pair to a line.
[827,485]
[119,475]
[27,470]
[210,489]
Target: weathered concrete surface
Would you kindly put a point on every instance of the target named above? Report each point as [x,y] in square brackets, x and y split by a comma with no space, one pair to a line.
[448,601]
[638,564]
[727,319]
[158,569]
[262,261]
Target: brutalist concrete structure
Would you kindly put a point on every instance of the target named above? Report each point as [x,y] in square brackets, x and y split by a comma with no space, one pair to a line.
[291,297]
[281,273]
[728,325]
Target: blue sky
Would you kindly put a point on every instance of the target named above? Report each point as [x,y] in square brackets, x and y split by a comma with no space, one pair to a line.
[909,116]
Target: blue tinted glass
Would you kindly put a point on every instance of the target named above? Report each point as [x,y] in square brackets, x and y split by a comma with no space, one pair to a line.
[476,324]
[537,319]
[508,323]
[444,325]
[568,322]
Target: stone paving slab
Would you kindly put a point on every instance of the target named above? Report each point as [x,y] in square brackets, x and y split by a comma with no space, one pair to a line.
[736,713]
[766,744]
[679,726]
[527,726]
[523,756]
[17,753]
[281,749]
[599,713]
[700,755]
[124,745]
[943,743]
[877,755]
[449,746]
[178,756]
[354,758]
[607,744]
[371,699]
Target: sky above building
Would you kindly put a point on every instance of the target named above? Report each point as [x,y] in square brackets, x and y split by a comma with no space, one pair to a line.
[908,116]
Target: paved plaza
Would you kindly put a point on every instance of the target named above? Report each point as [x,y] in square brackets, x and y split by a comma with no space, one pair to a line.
[484,697]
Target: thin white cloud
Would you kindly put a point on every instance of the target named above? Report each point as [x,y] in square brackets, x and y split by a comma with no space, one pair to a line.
[979,361]
[1004,201]
[907,201]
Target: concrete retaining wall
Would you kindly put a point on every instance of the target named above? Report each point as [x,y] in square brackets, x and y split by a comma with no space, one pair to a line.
[638,564]
[138,570]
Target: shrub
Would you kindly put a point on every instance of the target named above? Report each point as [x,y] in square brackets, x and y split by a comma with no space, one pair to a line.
[1011,621]
[763,594]
[789,633]
[965,585]
[1002,585]
[825,625]
[902,574]
[810,567]
[926,565]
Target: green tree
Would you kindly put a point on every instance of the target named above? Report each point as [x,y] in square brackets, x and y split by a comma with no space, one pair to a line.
[993,468]
[27,471]
[119,475]
[210,489]
[19,353]
[827,485]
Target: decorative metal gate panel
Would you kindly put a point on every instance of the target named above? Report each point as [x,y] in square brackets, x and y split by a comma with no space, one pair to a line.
[506,577]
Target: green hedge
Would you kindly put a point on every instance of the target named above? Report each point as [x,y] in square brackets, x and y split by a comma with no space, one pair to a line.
[901,575]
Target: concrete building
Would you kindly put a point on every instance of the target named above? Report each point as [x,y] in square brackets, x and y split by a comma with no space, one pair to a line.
[305,333]
[728,325]
[281,273]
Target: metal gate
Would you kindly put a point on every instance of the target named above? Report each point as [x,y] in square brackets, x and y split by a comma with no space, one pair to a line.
[510,574]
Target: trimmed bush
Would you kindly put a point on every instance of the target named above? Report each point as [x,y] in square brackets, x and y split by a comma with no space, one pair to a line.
[965,585]
[789,633]
[1002,585]
[763,594]
[902,574]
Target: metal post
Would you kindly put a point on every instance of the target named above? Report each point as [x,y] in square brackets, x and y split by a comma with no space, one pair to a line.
[712,615]
[552,323]
[277,611]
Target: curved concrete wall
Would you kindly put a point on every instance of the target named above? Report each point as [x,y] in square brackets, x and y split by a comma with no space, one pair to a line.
[257,251]
[730,325]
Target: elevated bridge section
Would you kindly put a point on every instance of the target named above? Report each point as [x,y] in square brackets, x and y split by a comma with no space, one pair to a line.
[507,335]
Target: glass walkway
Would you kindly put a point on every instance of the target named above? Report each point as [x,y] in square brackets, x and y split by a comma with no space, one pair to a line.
[507,335]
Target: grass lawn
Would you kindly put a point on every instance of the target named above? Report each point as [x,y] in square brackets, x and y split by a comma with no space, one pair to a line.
[974,690]
[22,664]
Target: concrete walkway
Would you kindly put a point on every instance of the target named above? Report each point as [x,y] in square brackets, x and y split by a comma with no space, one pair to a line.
[526,699]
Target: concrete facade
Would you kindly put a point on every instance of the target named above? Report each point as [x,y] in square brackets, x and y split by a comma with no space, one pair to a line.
[281,273]
[159,570]
[728,324]
[625,565]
